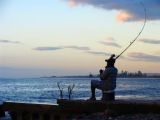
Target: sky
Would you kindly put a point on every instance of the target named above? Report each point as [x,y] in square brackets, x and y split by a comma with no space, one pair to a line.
[74,37]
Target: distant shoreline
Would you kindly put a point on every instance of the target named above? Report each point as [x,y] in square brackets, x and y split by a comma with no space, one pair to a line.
[98,77]
[123,74]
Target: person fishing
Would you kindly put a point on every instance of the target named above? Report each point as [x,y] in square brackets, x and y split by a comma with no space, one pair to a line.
[107,82]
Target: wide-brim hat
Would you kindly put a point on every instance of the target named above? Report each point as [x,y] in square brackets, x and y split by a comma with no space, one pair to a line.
[111,60]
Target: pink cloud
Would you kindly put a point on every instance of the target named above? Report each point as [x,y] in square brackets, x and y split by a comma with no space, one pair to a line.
[72,3]
[124,16]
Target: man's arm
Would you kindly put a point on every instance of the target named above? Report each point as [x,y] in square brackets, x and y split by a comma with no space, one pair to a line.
[104,75]
[100,73]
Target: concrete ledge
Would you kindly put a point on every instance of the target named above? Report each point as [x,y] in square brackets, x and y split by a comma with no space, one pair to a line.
[118,106]
[33,111]
[64,108]
[32,107]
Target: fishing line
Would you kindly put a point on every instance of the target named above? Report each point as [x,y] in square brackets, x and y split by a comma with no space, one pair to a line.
[138,33]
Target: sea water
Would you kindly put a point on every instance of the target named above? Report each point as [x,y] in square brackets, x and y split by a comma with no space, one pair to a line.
[46,89]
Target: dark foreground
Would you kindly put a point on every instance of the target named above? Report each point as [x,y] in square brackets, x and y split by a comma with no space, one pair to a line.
[103,116]
[84,110]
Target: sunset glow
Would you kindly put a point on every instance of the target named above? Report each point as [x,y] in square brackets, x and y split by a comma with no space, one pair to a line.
[51,37]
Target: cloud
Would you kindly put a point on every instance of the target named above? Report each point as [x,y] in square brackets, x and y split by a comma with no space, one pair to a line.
[61,47]
[77,47]
[82,48]
[129,10]
[98,53]
[124,16]
[72,3]
[150,41]
[9,41]
[144,57]
[113,44]
[47,48]
[110,42]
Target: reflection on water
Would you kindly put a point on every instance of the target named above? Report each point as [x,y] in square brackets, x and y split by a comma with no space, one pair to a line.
[46,90]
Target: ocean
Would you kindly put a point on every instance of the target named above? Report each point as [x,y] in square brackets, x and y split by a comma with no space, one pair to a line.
[45,90]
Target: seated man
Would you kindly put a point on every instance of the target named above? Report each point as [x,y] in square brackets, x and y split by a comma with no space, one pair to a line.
[108,81]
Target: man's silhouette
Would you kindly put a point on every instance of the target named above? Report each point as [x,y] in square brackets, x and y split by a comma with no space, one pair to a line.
[107,82]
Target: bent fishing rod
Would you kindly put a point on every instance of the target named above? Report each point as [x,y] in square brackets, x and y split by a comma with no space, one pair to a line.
[138,33]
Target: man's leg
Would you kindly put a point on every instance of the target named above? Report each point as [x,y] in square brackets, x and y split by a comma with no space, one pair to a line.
[94,84]
[93,88]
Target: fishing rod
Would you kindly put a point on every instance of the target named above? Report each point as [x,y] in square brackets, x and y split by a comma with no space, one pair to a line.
[138,33]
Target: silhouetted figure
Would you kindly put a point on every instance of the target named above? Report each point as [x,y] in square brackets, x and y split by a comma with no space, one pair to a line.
[111,61]
[107,82]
